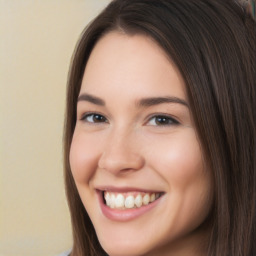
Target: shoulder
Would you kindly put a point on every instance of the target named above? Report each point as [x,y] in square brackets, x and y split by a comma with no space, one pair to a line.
[65,253]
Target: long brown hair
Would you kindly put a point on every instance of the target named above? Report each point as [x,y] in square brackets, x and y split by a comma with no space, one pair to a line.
[213,43]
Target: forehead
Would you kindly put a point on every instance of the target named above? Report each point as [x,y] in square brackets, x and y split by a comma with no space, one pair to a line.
[121,61]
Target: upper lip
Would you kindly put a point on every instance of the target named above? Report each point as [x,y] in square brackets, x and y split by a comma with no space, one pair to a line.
[126,189]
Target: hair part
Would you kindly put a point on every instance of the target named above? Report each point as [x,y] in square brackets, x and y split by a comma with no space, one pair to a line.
[213,44]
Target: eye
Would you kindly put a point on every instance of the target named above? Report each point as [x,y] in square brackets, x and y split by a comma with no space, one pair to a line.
[162,120]
[94,118]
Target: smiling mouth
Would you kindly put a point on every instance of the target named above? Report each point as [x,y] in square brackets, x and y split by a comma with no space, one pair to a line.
[129,200]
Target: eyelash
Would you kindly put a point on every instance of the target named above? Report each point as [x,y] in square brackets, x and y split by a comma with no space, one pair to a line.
[167,119]
[92,115]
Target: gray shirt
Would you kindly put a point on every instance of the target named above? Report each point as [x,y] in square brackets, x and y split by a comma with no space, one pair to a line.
[65,253]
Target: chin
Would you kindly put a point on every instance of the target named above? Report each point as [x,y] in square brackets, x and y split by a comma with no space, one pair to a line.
[125,248]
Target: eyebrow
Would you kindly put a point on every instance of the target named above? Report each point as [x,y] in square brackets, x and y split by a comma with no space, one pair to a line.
[148,102]
[145,102]
[90,98]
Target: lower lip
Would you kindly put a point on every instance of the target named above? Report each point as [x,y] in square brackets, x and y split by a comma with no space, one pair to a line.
[124,215]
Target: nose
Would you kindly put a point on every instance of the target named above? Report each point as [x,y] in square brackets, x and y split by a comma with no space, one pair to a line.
[121,154]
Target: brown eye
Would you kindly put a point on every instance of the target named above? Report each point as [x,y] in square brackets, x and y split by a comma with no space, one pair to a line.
[94,118]
[162,120]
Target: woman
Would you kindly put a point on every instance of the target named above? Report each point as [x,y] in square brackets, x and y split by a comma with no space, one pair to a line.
[160,130]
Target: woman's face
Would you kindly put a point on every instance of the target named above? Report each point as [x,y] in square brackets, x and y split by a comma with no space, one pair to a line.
[135,156]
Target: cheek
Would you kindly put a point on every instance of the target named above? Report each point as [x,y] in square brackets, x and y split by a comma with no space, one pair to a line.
[180,163]
[189,182]
[83,157]
[181,159]
[184,163]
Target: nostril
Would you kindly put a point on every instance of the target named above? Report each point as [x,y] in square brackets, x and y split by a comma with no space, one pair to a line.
[121,162]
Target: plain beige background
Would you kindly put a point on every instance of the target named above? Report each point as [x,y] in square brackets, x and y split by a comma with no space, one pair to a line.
[37,41]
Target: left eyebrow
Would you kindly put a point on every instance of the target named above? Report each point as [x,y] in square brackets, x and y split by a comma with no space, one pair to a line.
[90,98]
[148,102]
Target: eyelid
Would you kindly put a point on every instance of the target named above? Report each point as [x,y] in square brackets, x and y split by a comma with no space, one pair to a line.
[174,120]
[89,113]
[168,116]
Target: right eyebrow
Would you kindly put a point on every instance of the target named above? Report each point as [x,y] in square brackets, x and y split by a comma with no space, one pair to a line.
[92,99]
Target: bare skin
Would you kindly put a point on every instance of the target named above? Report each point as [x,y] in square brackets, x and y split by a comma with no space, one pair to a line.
[135,134]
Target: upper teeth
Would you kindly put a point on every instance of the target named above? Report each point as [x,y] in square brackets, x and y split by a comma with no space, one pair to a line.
[124,201]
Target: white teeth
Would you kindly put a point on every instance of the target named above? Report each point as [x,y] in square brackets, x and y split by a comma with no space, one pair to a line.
[107,198]
[119,202]
[128,201]
[146,199]
[152,197]
[138,200]
[112,201]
